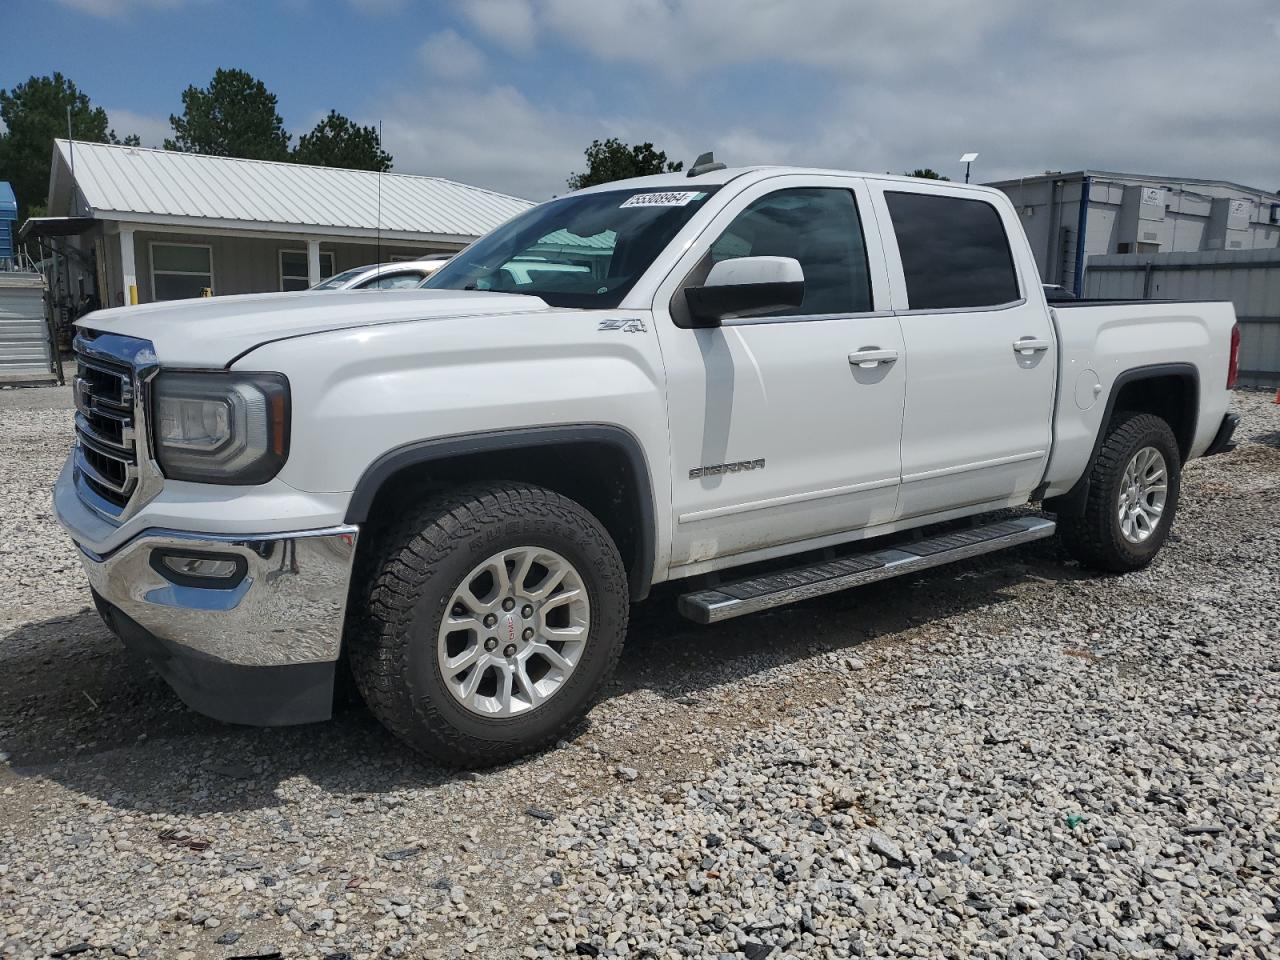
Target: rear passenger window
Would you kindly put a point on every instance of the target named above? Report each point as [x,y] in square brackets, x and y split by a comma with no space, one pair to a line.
[818,227]
[954,252]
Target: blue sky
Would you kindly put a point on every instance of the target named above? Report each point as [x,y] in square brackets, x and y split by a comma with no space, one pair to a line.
[507,93]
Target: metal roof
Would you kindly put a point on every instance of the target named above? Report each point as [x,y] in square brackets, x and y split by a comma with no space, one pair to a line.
[162,186]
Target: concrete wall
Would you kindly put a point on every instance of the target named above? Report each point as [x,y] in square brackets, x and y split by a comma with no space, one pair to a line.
[240,264]
[1250,279]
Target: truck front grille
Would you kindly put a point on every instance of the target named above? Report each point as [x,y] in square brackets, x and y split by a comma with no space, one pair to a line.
[111,436]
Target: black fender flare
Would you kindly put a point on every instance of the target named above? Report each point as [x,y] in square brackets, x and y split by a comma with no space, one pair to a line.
[1072,502]
[447,448]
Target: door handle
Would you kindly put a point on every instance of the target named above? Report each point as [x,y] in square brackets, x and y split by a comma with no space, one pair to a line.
[870,357]
[1029,345]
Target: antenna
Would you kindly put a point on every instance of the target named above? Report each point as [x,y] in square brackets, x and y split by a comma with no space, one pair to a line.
[71,147]
[705,163]
[378,217]
[967,159]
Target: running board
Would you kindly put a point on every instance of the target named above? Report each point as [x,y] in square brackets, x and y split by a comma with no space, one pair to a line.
[800,583]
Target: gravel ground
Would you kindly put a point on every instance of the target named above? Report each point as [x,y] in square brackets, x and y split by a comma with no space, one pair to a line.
[1003,758]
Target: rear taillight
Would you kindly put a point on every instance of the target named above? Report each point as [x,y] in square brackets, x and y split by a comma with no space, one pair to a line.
[1233,365]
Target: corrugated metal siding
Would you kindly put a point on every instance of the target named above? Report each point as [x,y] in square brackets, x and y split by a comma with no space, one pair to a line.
[24,334]
[166,183]
[1250,279]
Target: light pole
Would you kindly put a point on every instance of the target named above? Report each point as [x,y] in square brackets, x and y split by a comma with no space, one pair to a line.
[967,159]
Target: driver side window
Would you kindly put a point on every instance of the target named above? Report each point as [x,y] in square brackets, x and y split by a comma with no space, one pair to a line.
[819,227]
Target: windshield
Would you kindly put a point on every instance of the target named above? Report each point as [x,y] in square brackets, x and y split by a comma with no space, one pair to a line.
[580,251]
[338,279]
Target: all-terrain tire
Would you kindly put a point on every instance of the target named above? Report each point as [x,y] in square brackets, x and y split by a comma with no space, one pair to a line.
[1095,537]
[422,561]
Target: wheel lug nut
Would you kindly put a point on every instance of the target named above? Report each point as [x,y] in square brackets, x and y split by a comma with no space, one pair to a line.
[528,633]
[509,650]
[508,604]
[490,619]
[526,611]
[491,644]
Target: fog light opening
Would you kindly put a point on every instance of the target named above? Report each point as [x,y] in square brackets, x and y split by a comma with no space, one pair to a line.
[218,571]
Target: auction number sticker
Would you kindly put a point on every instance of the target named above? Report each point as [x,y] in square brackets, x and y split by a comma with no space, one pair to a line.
[676,198]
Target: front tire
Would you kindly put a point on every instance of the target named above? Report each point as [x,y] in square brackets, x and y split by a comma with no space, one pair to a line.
[497,613]
[1134,484]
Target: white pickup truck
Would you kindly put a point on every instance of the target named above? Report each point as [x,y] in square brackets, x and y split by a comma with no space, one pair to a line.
[763,383]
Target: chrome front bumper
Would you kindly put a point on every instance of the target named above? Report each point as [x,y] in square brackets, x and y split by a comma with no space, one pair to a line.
[213,643]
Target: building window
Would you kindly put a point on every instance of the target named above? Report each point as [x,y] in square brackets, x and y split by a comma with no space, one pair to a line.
[180,270]
[955,253]
[293,269]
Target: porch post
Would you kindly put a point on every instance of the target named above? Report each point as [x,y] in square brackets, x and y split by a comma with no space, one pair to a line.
[128,267]
[313,263]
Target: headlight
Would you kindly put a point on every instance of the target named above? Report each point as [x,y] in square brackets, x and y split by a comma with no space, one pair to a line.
[221,427]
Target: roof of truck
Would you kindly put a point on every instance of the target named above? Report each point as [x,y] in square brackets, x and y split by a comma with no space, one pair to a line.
[716,178]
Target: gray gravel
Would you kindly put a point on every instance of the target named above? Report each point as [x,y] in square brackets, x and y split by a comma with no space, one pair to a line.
[1004,758]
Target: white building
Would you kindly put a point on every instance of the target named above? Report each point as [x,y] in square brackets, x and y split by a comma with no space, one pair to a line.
[1136,213]
[161,225]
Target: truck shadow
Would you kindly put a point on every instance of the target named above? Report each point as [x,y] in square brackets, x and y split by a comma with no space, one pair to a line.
[77,710]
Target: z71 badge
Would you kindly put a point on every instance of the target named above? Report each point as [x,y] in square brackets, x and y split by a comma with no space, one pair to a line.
[625,324]
[735,467]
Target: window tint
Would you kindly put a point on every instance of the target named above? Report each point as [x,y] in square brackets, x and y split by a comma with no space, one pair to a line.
[818,227]
[954,252]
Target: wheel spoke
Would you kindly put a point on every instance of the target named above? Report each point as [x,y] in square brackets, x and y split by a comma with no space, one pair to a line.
[553,657]
[506,679]
[472,683]
[560,599]
[455,665]
[526,685]
[522,572]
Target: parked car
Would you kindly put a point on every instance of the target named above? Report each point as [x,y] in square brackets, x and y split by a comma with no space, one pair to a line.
[396,275]
[769,384]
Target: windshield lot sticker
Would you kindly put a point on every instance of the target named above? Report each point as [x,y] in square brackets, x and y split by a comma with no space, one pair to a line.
[677,198]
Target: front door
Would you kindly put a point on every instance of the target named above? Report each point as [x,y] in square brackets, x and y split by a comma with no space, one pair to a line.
[982,361]
[784,428]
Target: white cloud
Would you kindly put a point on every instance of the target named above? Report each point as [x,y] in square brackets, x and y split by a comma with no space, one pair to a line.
[446,54]
[1164,87]
[493,138]
[510,23]
[151,130]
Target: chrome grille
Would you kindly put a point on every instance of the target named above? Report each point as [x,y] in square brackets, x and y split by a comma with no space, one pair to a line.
[111,457]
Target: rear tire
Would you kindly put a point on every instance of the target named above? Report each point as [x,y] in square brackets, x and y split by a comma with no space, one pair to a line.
[511,668]
[1134,484]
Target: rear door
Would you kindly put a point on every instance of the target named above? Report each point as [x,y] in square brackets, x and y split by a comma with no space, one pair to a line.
[979,344]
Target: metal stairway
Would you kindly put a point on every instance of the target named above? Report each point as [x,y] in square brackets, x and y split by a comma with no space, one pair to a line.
[800,583]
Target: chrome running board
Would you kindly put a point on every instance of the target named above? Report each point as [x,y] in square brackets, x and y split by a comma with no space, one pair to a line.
[828,576]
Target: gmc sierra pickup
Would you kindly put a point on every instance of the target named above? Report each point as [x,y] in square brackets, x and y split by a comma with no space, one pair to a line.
[764,383]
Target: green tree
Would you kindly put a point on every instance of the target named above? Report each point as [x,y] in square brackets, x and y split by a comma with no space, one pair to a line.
[35,113]
[926,173]
[339,142]
[235,116]
[612,159]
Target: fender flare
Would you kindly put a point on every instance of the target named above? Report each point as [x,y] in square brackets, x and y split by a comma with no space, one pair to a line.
[447,448]
[1072,502]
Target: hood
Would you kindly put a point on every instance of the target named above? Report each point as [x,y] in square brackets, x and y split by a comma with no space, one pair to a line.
[213,331]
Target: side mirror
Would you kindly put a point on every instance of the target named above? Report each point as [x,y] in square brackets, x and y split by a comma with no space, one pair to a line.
[746,287]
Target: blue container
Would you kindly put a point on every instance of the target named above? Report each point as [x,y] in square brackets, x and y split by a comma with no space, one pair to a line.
[8,220]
